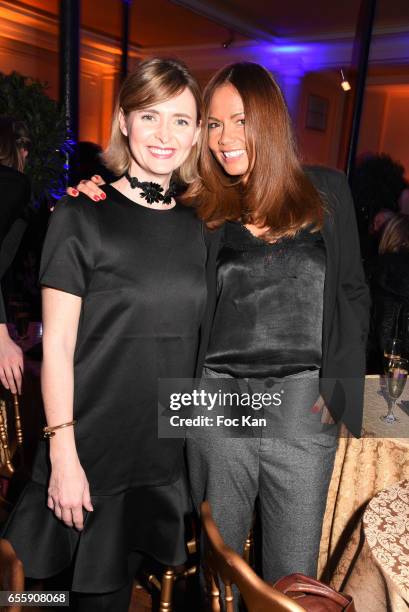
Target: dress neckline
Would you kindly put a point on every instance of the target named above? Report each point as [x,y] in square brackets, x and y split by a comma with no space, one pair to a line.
[257,239]
[118,196]
[249,240]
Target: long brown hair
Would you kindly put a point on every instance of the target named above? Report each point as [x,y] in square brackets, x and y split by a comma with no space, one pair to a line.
[154,80]
[274,192]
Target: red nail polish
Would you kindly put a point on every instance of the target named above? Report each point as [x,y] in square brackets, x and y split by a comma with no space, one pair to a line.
[75,191]
[103,196]
[97,198]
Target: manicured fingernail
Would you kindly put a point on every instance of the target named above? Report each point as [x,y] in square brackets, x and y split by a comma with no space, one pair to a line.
[75,191]
[103,196]
[97,198]
[315,408]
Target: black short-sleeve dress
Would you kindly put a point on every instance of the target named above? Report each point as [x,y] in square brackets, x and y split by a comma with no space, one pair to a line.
[141,275]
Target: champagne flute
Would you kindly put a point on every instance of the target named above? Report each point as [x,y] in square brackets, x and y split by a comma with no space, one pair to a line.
[396,377]
[392,350]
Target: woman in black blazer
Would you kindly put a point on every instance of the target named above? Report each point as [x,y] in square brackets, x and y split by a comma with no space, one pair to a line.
[288,306]
[346,301]
[14,198]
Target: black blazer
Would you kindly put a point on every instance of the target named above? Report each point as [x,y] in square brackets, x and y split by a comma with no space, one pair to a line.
[346,301]
[14,198]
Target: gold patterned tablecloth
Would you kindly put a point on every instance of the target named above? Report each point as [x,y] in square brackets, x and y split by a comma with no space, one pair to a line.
[386,528]
[362,468]
[379,579]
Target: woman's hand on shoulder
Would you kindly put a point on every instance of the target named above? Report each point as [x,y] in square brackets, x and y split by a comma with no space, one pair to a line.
[68,491]
[89,188]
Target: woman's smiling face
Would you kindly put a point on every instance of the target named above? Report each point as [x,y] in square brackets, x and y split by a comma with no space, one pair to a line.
[226,130]
[161,136]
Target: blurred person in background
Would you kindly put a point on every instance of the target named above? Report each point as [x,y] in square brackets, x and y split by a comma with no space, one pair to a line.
[14,198]
[376,185]
[379,223]
[389,282]
[404,201]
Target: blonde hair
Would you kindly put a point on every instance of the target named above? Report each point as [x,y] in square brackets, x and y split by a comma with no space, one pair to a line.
[154,80]
[395,237]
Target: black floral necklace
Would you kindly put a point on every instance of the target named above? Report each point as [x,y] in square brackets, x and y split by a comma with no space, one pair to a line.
[152,192]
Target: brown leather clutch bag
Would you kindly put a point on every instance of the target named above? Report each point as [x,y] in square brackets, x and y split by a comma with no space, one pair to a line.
[313,595]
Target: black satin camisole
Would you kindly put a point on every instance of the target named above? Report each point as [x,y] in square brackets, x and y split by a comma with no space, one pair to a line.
[269,312]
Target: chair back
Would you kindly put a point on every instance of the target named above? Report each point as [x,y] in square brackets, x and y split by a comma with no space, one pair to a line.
[9,442]
[225,563]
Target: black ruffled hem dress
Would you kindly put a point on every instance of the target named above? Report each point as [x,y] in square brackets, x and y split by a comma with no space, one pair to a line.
[141,275]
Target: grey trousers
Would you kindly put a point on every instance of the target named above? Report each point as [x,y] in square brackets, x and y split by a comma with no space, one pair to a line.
[291,478]
[290,473]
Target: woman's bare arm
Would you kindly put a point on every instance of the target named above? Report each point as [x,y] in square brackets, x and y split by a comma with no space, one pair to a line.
[68,488]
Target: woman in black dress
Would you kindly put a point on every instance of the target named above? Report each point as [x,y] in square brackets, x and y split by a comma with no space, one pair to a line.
[15,196]
[123,297]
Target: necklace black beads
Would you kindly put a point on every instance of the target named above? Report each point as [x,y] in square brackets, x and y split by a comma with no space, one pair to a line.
[152,192]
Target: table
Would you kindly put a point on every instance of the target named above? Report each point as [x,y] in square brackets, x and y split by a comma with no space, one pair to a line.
[362,468]
[379,579]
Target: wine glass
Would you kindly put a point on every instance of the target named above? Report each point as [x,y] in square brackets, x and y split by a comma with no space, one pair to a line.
[391,351]
[396,377]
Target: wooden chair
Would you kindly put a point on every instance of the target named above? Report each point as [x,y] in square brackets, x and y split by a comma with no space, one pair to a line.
[248,548]
[225,563]
[11,572]
[8,448]
[170,575]
[141,601]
